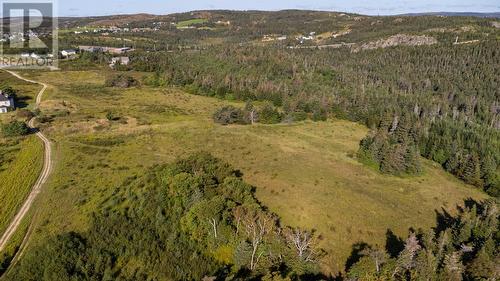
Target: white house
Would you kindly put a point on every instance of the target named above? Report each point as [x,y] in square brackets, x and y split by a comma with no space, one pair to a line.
[6,103]
[119,61]
[68,53]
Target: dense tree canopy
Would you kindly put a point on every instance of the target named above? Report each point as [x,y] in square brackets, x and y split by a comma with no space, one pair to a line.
[185,221]
[465,247]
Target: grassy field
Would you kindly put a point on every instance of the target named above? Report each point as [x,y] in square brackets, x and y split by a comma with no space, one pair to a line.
[19,171]
[304,172]
[186,23]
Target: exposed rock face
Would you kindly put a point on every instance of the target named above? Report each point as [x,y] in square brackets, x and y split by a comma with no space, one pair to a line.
[495,24]
[397,40]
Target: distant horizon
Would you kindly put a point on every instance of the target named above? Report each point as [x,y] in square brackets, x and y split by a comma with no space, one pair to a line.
[74,8]
[96,8]
[479,14]
[257,10]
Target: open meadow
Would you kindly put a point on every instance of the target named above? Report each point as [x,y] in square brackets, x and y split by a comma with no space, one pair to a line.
[304,172]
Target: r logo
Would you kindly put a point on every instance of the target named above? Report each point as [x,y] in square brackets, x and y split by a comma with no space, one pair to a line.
[29,29]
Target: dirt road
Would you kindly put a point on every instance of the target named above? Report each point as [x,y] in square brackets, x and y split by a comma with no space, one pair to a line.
[47,167]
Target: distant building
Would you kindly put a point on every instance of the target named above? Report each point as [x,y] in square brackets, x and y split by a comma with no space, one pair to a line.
[6,103]
[117,51]
[273,37]
[68,53]
[119,61]
[92,49]
[223,22]
[111,50]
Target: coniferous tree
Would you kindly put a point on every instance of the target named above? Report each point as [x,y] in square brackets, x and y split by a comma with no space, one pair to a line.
[472,171]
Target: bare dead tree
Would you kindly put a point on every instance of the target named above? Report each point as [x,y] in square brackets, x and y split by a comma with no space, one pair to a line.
[395,123]
[213,223]
[453,265]
[257,225]
[406,259]
[377,255]
[302,241]
[252,116]
[238,215]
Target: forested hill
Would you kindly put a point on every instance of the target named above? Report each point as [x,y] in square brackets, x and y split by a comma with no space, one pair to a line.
[458,14]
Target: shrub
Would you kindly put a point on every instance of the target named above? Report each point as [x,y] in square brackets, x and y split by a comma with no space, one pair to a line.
[15,128]
[320,115]
[299,116]
[269,114]
[155,80]
[121,81]
[229,115]
[112,117]
[9,91]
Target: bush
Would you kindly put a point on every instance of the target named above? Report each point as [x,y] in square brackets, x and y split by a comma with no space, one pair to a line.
[229,115]
[320,115]
[299,116]
[121,81]
[155,80]
[15,128]
[269,114]
[112,117]
[9,91]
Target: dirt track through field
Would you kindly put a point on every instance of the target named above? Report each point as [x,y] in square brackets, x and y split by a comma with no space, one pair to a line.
[47,167]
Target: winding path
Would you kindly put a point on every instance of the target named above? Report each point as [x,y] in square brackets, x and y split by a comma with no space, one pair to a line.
[47,167]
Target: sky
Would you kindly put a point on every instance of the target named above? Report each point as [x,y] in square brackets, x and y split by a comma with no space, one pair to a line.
[368,7]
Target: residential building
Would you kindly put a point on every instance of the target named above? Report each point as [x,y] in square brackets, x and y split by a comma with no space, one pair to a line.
[6,103]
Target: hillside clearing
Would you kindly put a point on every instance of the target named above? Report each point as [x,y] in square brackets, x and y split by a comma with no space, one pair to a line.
[304,172]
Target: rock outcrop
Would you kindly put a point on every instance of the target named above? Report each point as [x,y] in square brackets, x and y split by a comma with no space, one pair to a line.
[397,40]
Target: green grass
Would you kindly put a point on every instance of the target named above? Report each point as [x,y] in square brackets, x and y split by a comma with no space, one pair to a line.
[18,176]
[305,172]
[15,242]
[186,23]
